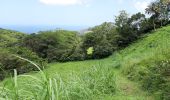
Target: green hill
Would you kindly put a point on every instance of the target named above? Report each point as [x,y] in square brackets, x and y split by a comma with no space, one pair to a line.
[10,45]
[8,37]
[139,72]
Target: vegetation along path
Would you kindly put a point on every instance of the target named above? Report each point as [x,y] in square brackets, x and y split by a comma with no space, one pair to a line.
[144,63]
[125,89]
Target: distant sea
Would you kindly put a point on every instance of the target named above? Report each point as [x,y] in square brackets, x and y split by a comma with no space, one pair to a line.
[37,28]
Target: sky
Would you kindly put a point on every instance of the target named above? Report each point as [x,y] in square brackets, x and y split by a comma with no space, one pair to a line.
[65,12]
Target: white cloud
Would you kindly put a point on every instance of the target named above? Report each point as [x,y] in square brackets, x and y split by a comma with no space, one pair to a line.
[64,2]
[141,5]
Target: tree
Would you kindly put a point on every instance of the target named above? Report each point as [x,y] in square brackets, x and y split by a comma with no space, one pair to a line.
[165,2]
[164,10]
[122,19]
[159,12]
[53,45]
[124,26]
[136,21]
[154,10]
[102,39]
[108,30]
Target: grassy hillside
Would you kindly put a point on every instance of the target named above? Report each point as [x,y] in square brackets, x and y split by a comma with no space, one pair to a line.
[146,63]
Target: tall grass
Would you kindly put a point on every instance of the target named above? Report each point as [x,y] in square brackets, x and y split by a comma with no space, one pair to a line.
[147,62]
[93,83]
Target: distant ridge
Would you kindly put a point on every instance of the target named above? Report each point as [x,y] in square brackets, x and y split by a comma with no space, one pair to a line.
[37,28]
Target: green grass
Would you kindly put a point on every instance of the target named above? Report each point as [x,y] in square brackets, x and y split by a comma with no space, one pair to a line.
[106,79]
[125,89]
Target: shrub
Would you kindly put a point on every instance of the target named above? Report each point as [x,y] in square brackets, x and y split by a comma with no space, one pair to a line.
[54,46]
[154,77]
[77,55]
[9,62]
[158,79]
[102,50]
[100,39]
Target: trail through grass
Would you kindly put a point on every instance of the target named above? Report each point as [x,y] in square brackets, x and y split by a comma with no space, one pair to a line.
[105,79]
[125,89]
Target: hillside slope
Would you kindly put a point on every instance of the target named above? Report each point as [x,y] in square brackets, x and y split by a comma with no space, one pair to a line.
[8,37]
[146,63]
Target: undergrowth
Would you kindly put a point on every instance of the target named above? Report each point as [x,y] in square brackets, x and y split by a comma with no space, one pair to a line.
[88,85]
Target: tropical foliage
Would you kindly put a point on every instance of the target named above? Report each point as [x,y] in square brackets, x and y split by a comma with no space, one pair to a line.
[139,45]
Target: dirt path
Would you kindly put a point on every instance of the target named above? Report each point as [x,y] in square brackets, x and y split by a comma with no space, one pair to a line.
[128,90]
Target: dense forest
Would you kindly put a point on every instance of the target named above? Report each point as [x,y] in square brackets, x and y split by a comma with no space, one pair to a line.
[97,42]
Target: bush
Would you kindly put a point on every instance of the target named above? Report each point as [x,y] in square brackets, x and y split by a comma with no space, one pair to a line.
[102,50]
[9,62]
[103,40]
[158,79]
[77,55]
[54,46]
[154,77]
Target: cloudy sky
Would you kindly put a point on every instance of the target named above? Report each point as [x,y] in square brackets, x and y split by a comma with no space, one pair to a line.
[65,12]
